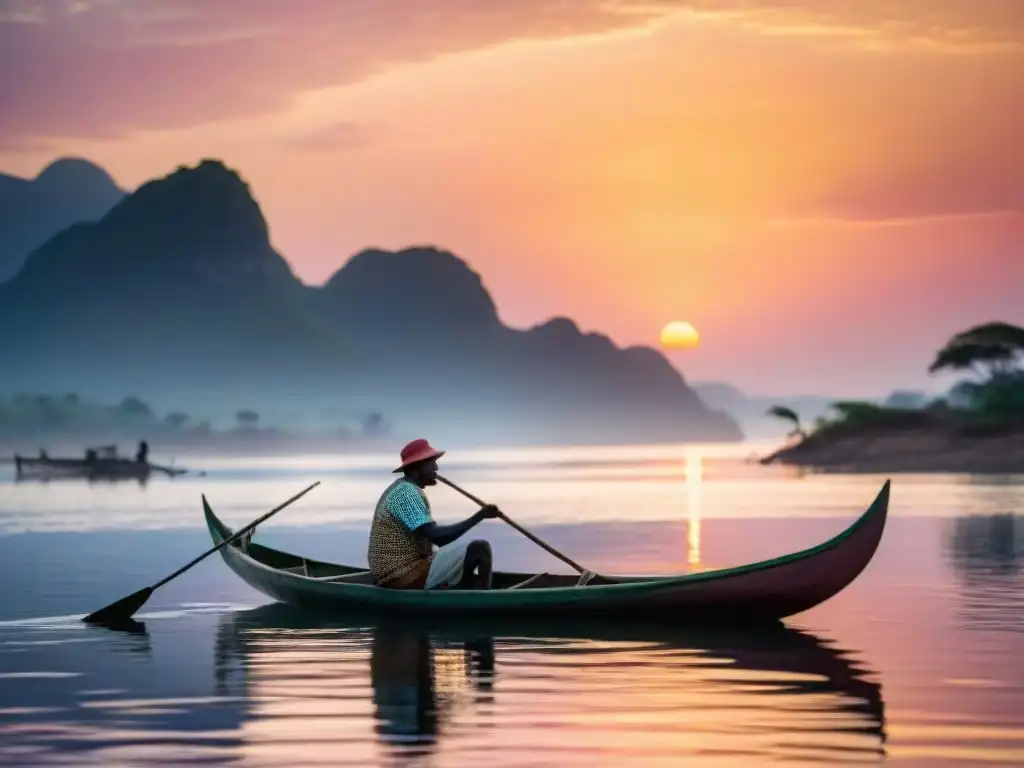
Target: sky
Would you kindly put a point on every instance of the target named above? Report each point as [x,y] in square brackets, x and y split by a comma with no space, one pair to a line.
[826,189]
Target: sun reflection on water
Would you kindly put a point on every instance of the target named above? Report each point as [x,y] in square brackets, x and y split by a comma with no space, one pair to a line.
[694,473]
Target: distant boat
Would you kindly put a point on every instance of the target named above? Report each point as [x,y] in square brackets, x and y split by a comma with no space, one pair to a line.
[95,468]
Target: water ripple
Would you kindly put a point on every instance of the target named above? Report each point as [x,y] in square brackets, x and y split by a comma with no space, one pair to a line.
[283,688]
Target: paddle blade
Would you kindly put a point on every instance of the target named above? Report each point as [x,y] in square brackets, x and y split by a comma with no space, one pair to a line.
[121,611]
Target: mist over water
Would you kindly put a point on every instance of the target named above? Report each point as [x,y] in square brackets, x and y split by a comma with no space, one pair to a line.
[916,663]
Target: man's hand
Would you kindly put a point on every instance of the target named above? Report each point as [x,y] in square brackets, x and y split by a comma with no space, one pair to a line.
[489,512]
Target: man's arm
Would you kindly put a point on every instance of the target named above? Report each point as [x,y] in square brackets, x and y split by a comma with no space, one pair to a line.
[446,534]
[407,505]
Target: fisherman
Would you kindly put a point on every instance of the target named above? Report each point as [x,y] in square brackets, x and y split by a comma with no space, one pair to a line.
[143,453]
[403,535]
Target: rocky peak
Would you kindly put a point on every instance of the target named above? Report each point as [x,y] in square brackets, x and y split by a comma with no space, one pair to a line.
[418,287]
[32,211]
[209,205]
[195,223]
[76,175]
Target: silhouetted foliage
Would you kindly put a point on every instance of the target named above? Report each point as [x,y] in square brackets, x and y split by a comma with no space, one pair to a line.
[906,399]
[135,408]
[995,333]
[788,414]
[860,414]
[1001,395]
[995,348]
[176,419]
[247,419]
[979,358]
[374,425]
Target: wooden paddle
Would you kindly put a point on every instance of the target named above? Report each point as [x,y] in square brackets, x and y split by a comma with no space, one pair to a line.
[585,574]
[122,610]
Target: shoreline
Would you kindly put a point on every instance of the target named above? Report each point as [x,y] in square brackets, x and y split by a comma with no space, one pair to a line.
[934,445]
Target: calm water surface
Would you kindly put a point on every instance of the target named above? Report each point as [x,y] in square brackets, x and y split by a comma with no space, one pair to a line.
[919,662]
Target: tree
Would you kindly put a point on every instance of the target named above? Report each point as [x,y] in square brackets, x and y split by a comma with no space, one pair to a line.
[374,424]
[858,411]
[176,419]
[135,408]
[247,419]
[997,334]
[964,394]
[906,400]
[788,414]
[985,359]
[991,349]
[1002,396]
[49,412]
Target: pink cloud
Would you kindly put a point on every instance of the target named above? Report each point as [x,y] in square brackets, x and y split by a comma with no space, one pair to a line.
[116,66]
[103,68]
[99,68]
[965,187]
[955,26]
[337,136]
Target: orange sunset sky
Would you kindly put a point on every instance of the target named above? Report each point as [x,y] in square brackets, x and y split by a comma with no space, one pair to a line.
[826,189]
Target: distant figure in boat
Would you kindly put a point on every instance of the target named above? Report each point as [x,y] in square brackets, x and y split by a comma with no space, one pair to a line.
[403,535]
[143,453]
[91,456]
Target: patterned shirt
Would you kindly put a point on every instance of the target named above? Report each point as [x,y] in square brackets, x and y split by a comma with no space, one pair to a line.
[396,553]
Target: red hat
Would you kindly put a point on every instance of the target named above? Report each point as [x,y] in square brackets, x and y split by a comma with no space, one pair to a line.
[416,451]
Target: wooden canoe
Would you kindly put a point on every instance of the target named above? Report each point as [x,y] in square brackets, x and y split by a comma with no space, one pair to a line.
[760,592]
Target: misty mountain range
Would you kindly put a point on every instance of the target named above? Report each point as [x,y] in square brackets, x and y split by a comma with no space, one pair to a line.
[174,293]
[33,210]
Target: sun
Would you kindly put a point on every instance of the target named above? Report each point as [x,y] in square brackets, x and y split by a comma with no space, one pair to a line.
[679,335]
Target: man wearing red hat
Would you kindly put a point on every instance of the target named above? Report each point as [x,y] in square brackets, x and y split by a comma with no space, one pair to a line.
[401,553]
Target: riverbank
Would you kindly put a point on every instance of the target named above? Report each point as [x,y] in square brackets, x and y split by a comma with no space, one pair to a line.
[910,442]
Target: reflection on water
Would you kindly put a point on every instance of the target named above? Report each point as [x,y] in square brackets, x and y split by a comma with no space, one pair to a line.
[694,474]
[574,694]
[418,687]
[71,480]
[276,686]
[987,552]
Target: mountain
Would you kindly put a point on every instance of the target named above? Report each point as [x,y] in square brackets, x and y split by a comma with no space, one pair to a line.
[421,313]
[175,290]
[750,410]
[177,295]
[34,210]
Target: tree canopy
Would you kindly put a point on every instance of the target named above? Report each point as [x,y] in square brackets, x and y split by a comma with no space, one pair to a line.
[787,414]
[993,349]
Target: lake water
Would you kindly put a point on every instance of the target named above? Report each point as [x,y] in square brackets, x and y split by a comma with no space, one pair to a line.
[919,662]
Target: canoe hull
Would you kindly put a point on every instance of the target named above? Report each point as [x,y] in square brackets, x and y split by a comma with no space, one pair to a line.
[761,592]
